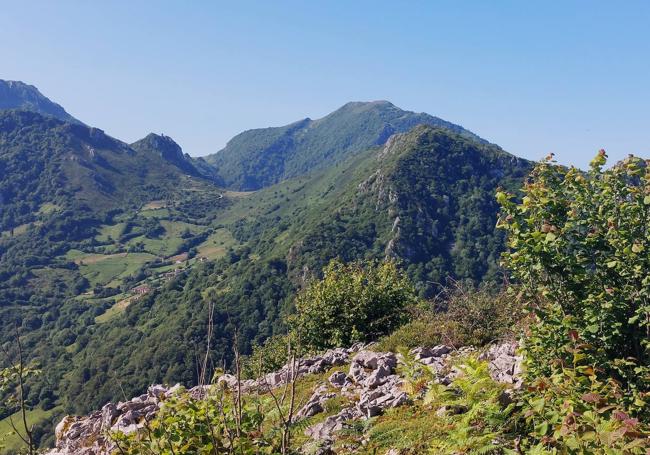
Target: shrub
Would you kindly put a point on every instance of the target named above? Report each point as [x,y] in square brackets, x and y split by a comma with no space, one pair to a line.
[269,356]
[460,316]
[580,247]
[575,411]
[210,425]
[427,330]
[353,302]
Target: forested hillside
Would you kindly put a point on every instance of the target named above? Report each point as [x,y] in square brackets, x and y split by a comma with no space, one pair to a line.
[554,362]
[425,199]
[258,158]
[77,235]
[113,254]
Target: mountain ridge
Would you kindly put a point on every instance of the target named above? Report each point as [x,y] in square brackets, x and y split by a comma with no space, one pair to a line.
[19,95]
[112,252]
[260,157]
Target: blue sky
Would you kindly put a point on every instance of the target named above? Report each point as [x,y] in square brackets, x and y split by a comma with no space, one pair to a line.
[567,77]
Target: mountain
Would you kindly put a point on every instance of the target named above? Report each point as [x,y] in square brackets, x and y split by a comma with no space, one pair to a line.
[111,254]
[167,149]
[261,157]
[18,95]
[84,218]
[44,160]
[425,198]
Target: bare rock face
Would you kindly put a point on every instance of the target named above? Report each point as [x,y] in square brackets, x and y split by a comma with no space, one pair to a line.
[339,380]
[373,384]
[315,403]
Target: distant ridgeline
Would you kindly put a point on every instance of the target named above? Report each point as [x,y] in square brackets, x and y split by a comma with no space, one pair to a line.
[258,158]
[111,252]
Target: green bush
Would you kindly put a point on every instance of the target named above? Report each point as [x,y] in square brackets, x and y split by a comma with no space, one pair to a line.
[460,316]
[575,411]
[426,331]
[579,249]
[353,302]
[269,356]
[214,424]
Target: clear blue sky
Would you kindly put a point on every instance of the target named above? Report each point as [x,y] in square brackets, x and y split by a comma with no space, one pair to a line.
[534,77]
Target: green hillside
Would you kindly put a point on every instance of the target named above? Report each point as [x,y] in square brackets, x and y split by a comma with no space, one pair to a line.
[112,252]
[258,158]
[439,184]
[84,220]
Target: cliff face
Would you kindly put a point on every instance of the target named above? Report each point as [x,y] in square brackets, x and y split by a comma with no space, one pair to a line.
[374,383]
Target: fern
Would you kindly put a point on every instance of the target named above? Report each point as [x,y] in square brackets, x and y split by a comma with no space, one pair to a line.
[474,419]
[415,375]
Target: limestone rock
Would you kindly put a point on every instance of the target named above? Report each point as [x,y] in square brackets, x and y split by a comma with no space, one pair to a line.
[504,363]
[315,403]
[87,435]
[339,379]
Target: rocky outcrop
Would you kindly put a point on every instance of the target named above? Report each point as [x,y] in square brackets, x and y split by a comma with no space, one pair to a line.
[504,363]
[371,385]
[88,435]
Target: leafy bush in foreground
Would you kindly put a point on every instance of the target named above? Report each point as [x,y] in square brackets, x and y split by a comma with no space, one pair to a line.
[580,247]
[575,411]
[212,425]
[580,250]
[353,302]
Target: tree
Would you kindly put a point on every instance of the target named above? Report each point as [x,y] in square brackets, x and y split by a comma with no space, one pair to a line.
[353,302]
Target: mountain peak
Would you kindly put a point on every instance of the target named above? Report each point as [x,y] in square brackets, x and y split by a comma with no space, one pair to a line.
[163,142]
[262,157]
[22,96]
[368,104]
[360,107]
[166,148]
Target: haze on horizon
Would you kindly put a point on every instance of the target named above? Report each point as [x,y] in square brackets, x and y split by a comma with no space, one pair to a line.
[563,77]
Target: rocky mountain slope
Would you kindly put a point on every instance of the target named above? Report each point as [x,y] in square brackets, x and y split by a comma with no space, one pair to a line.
[18,95]
[258,158]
